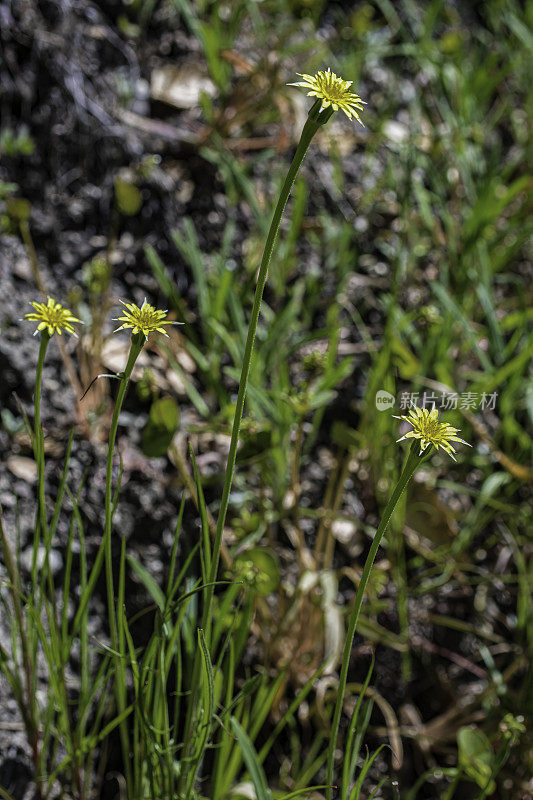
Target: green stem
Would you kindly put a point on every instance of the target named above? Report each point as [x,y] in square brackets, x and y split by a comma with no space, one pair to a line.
[27,704]
[453,785]
[315,119]
[41,529]
[29,644]
[313,123]
[413,461]
[137,343]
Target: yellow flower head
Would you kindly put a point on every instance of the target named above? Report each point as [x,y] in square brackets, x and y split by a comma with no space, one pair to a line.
[333,91]
[430,431]
[53,317]
[145,319]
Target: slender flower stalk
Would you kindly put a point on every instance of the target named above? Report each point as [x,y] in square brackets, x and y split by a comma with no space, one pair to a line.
[427,433]
[26,699]
[319,114]
[150,322]
[317,117]
[414,459]
[51,317]
[143,320]
[41,531]
[138,341]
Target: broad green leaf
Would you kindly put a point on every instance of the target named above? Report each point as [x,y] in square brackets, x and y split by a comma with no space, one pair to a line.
[160,428]
[476,757]
[18,208]
[259,568]
[128,197]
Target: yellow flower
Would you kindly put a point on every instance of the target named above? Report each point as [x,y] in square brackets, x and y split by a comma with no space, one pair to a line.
[333,91]
[430,431]
[53,317]
[145,319]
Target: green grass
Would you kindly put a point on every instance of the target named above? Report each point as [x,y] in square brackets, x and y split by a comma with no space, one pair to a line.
[447,210]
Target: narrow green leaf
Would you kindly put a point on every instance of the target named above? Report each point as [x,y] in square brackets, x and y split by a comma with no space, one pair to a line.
[257,773]
[148,582]
[350,760]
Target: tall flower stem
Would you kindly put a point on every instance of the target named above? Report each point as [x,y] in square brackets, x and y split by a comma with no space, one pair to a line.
[29,641]
[314,121]
[135,350]
[137,342]
[41,530]
[414,459]
[26,699]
